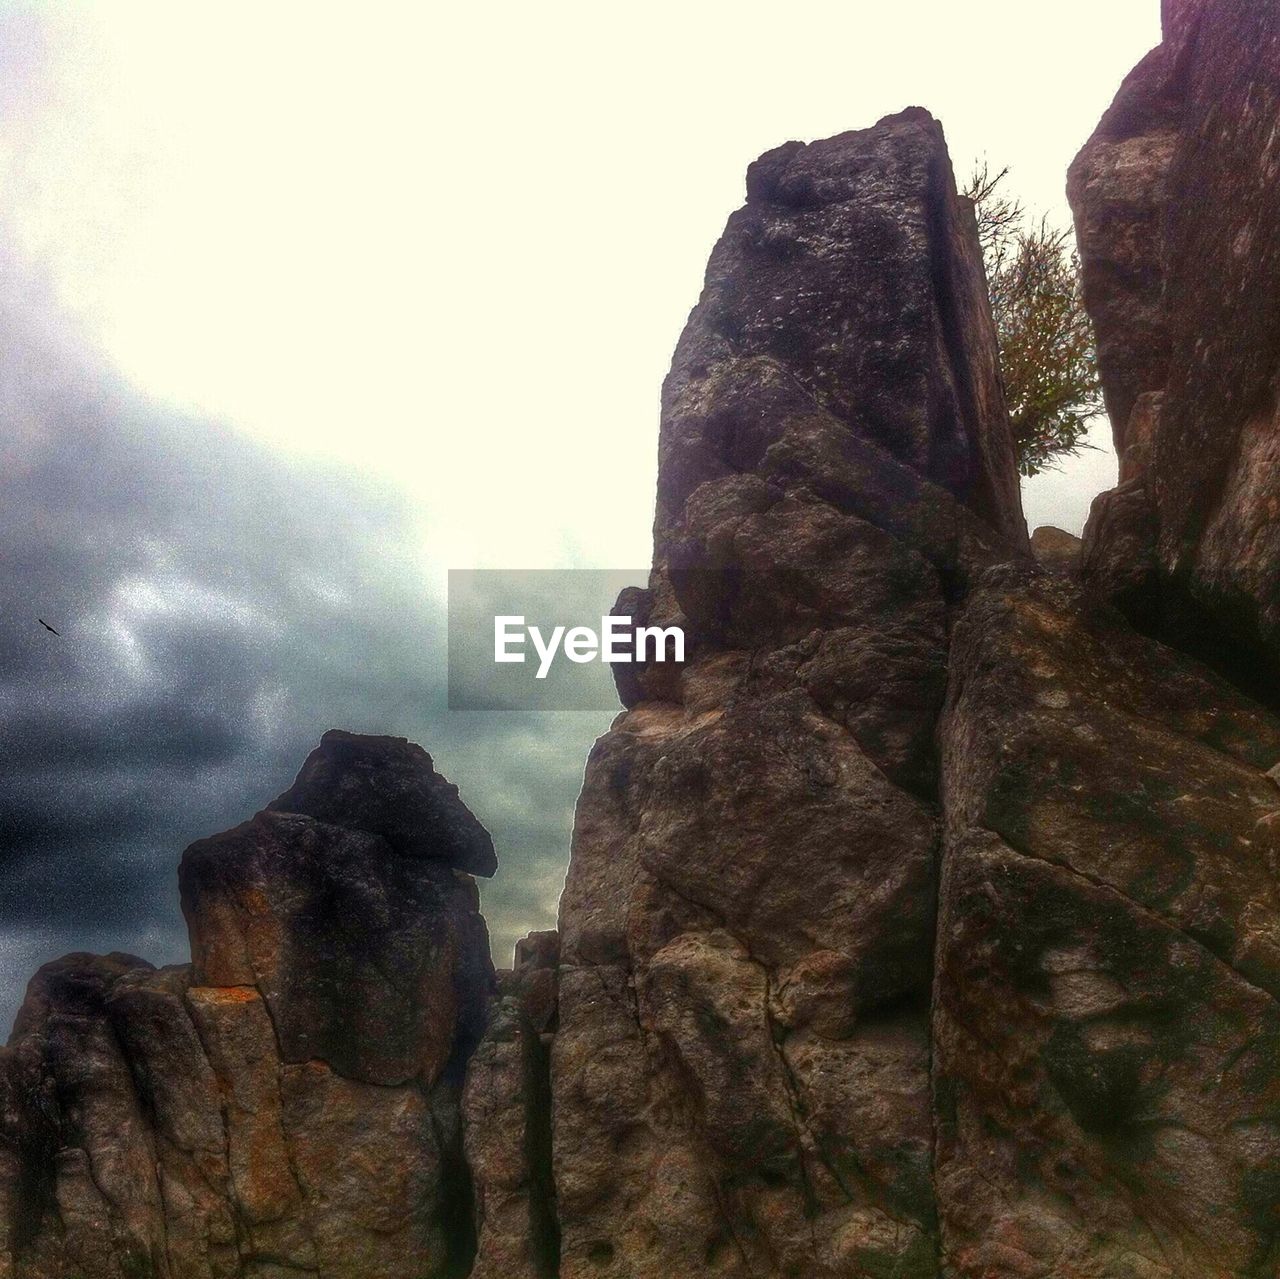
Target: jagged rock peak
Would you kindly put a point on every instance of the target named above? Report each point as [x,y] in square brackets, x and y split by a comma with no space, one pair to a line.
[851,280]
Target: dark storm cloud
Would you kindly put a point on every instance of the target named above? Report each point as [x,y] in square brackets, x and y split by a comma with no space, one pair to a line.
[219,608]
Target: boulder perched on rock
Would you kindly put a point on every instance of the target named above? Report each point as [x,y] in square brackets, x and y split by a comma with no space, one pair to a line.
[388,786]
[290,1102]
[1056,550]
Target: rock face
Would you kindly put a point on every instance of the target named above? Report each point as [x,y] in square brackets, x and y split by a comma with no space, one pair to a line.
[742,1071]
[1105,1001]
[1176,210]
[925,921]
[290,1102]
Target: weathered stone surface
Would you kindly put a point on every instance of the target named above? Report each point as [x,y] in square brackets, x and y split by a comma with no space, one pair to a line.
[759,1070]
[289,1105]
[923,922]
[373,961]
[1118,558]
[1179,226]
[853,275]
[1109,953]
[1060,742]
[741,1072]
[238,1038]
[1105,1089]
[387,786]
[379,1170]
[1056,550]
[88,1171]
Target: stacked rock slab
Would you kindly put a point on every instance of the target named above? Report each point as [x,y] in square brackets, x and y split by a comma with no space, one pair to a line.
[288,1104]
[1178,219]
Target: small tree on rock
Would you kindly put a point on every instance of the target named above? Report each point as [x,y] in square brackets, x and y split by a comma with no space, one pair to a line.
[1047,350]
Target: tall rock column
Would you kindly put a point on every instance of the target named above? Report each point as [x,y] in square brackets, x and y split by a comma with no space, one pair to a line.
[742,1068]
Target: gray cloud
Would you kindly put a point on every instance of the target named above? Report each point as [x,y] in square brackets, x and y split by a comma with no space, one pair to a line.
[219,607]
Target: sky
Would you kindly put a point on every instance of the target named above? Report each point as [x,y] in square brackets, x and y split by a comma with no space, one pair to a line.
[305,304]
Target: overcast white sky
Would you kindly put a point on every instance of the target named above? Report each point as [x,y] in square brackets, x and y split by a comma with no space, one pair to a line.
[455,244]
[442,258]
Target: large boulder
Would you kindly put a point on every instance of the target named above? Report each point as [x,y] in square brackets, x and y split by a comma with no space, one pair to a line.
[388,786]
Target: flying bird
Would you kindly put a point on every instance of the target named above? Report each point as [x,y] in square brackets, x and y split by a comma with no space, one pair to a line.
[47,627]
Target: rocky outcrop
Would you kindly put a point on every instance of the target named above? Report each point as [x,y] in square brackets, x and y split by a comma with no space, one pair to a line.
[288,1104]
[1179,230]
[371,961]
[742,1071]
[925,921]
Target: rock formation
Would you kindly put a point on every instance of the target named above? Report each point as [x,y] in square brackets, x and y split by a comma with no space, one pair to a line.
[940,906]
[924,922]
[1175,198]
[288,1104]
[751,898]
